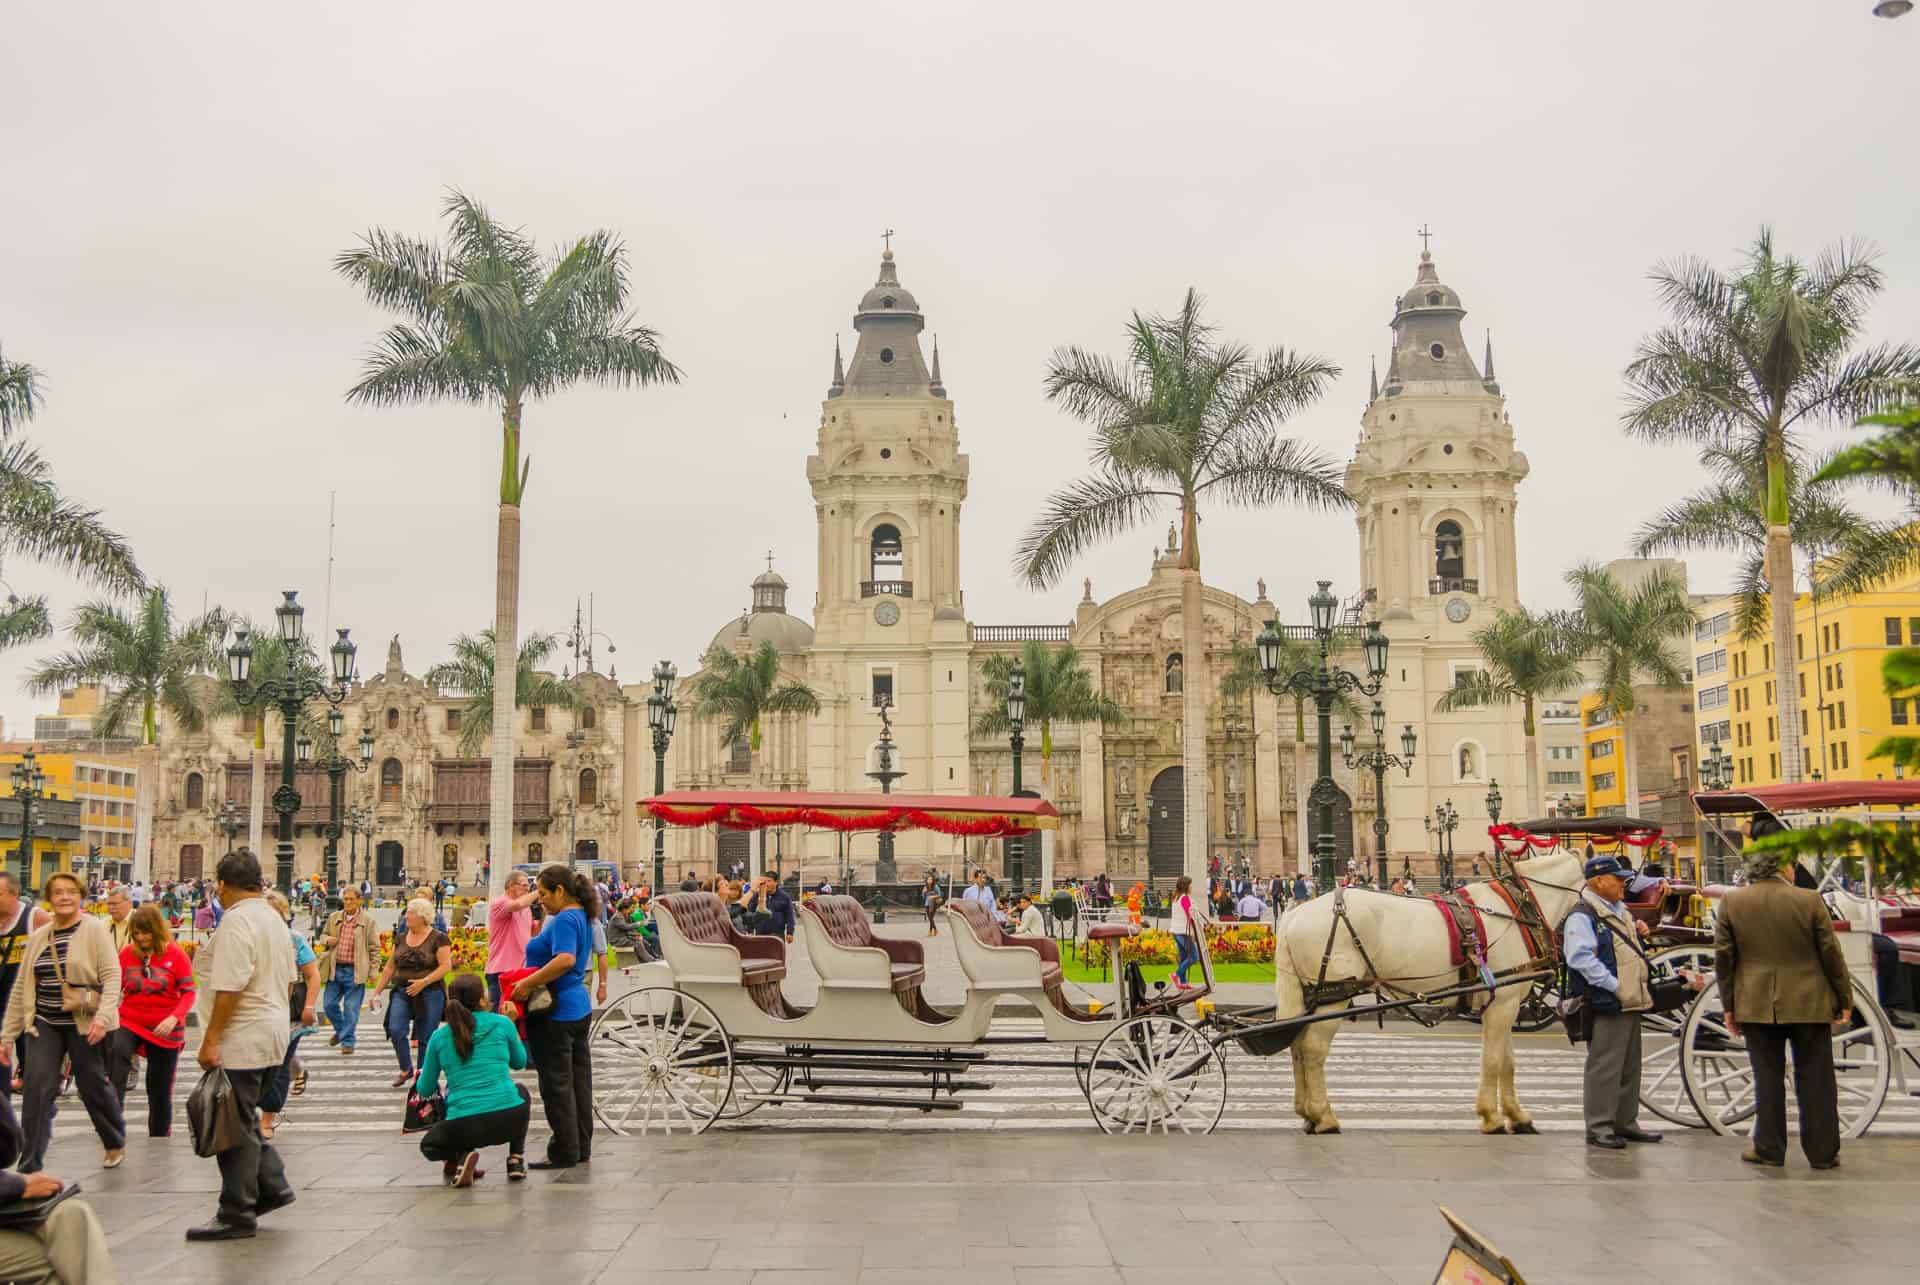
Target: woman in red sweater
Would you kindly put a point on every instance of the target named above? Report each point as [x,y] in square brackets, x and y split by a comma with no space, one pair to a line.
[156,995]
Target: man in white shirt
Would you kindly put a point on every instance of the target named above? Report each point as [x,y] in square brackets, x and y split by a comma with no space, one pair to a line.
[1250,907]
[246,1023]
[1031,923]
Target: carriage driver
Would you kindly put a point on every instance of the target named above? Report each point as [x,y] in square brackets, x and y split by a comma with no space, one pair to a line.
[1615,985]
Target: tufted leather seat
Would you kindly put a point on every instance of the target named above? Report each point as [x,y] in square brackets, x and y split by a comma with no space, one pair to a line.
[989,933]
[846,924]
[1107,932]
[702,917]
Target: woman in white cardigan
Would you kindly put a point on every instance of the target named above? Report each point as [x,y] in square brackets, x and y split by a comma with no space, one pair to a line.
[71,958]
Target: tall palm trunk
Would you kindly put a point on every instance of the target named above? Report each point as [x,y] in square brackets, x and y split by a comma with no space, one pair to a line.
[1535,805]
[1303,857]
[756,853]
[506,623]
[146,788]
[1780,602]
[1196,680]
[1629,766]
[257,785]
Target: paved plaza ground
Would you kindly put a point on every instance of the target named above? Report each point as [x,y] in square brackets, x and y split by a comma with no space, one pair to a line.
[1056,1208]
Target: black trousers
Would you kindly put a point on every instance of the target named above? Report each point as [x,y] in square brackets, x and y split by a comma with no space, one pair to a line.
[252,1171]
[559,1052]
[452,1139]
[162,1064]
[1813,1085]
[47,1047]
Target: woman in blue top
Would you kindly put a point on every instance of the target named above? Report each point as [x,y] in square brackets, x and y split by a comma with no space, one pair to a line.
[557,1036]
[477,1051]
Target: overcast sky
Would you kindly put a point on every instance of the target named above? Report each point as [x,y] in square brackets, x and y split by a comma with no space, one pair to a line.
[180,176]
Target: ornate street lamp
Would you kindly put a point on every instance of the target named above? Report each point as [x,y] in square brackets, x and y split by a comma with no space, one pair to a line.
[1013,848]
[291,691]
[1445,821]
[1324,684]
[232,820]
[1493,801]
[337,766]
[359,822]
[29,787]
[662,714]
[1377,760]
[1716,769]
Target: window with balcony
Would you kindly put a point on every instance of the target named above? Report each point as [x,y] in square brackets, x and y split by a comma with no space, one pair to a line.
[391,781]
[1604,781]
[196,792]
[882,685]
[588,794]
[886,562]
[587,718]
[1600,750]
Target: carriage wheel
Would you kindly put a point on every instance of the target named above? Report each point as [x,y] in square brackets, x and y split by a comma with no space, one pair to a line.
[1719,1078]
[1663,1090]
[1156,1074]
[753,1084]
[661,1063]
[1082,1065]
[1539,1008]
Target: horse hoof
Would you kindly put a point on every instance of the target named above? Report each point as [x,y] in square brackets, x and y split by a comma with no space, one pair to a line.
[1523,1127]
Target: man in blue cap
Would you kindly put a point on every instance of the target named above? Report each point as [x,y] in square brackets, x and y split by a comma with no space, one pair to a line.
[1615,985]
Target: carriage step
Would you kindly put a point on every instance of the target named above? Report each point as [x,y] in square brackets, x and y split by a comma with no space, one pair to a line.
[869,1051]
[954,1086]
[851,1100]
[895,1065]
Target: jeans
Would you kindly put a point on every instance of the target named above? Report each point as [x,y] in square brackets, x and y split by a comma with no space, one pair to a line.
[452,1139]
[45,1050]
[493,991]
[342,997]
[251,1172]
[274,1097]
[400,1018]
[162,1063]
[560,1057]
[1189,954]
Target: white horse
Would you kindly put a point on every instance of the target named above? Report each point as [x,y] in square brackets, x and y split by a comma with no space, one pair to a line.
[1406,942]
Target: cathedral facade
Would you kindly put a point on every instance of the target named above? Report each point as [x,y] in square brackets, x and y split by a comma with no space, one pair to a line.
[1433,478]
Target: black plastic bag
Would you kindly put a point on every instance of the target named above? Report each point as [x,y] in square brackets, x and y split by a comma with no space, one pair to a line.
[213,1115]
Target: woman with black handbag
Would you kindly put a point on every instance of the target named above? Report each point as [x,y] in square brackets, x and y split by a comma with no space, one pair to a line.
[477,1051]
[557,1035]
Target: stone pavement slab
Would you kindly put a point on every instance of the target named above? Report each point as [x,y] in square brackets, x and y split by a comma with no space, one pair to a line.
[1037,1208]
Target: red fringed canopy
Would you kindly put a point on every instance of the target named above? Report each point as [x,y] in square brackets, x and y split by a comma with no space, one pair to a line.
[1515,840]
[957,814]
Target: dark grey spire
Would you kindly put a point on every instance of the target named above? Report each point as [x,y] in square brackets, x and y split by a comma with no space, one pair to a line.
[839,372]
[1373,380]
[936,387]
[1491,384]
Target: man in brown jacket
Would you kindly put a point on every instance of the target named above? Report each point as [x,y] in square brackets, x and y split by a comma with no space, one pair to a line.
[1783,981]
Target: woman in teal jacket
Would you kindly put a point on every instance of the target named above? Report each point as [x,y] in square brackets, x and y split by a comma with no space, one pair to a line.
[476,1050]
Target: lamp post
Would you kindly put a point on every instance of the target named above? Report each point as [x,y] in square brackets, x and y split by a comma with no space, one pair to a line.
[886,774]
[337,766]
[1377,760]
[1716,773]
[291,691]
[29,786]
[1014,847]
[358,822]
[232,820]
[1324,684]
[1445,822]
[662,713]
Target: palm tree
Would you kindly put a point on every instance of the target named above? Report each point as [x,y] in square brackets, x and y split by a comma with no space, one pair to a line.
[148,666]
[1730,516]
[19,393]
[1627,633]
[739,692]
[1059,690]
[1528,656]
[1747,362]
[489,319]
[471,673]
[1187,416]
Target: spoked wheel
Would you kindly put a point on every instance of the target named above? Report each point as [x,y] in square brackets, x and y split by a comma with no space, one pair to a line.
[1720,1082]
[1663,1090]
[1082,1064]
[753,1084]
[662,1063]
[1539,1008]
[1156,1074]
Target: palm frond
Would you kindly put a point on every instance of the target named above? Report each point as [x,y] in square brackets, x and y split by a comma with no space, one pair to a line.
[38,522]
[25,620]
[1077,517]
[20,394]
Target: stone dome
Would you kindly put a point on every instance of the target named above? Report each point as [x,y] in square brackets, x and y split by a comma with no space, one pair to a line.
[788,634]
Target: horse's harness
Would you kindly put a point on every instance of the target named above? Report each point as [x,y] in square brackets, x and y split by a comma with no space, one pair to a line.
[1523,910]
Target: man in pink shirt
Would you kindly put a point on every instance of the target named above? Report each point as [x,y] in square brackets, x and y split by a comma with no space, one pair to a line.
[509,927]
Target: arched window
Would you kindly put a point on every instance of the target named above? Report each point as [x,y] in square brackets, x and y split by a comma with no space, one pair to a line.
[589,792]
[1434,298]
[888,563]
[586,718]
[196,792]
[391,779]
[393,719]
[1449,551]
[1176,674]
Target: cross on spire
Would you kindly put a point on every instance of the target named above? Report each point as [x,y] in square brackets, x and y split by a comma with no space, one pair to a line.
[769,559]
[886,243]
[1425,234]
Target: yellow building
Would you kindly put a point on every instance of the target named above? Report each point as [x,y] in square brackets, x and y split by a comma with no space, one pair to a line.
[1602,759]
[103,786]
[1844,711]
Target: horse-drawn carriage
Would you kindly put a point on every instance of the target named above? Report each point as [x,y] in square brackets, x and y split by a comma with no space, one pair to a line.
[711,1032]
[1872,1056]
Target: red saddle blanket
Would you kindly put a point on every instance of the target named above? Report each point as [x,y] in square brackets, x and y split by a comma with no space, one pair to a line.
[1450,907]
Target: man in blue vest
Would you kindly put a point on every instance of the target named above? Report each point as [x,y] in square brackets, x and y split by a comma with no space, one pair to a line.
[1615,985]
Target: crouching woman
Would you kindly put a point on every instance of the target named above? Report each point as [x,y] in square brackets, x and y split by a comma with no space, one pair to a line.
[476,1050]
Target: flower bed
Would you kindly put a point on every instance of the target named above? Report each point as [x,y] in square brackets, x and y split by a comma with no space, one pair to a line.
[1226,944]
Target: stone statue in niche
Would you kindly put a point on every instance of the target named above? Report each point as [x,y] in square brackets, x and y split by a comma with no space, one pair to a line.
[1123,781]
[1124,821]
[1233,819]
[1173,539]
[1176,675]
[1233,776]
[1467,763]
[1122,689]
